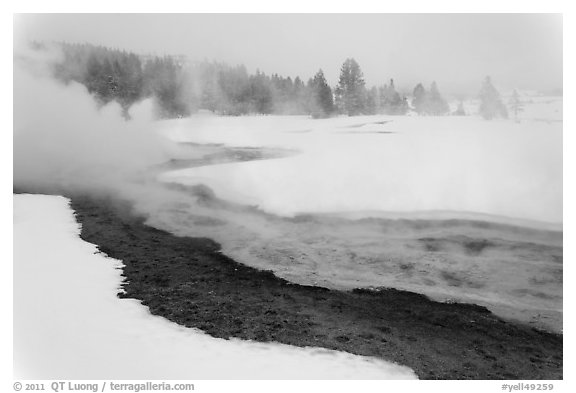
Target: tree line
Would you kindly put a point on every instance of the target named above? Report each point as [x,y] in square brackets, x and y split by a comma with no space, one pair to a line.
[182,88]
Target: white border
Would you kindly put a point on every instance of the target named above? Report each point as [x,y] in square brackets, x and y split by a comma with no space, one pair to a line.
[300,6]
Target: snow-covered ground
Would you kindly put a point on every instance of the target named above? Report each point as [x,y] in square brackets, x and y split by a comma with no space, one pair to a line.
[69,323]
[405,165]
[499,171]
[533,107]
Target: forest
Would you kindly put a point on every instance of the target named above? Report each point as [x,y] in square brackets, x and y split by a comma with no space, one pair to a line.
[181,87]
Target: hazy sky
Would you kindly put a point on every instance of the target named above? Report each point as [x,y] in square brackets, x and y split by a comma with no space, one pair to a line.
[456,50]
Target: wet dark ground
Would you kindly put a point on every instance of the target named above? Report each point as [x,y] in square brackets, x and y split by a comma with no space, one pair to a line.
[188,281]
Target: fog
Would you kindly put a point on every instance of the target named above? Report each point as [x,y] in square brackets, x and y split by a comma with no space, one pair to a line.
[359,201]
[62,138]
[456,50]
[407,164]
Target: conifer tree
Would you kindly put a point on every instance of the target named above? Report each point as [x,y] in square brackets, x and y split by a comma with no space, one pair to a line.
[351,90]
[491,105]
[323,102]
[437,105]
[419,99]
[391,101]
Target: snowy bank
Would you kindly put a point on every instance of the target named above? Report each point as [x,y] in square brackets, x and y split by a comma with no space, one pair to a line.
[69,323]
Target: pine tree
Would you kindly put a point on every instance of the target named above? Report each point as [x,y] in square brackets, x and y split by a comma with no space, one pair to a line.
[260,93]
[301,97]
[372,101]
[322,100]
[351,90]
[391,102]
[437,105]
[419,99]
[491,105]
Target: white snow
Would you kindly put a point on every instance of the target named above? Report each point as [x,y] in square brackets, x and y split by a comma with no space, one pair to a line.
[425,168]
[461,165]
[533,107]
[69,323]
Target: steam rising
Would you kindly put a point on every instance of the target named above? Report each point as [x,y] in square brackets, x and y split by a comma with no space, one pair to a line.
[62,138]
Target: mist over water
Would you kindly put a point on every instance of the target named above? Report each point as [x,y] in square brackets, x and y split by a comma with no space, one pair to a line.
[393,165]
[63,140]
[511,263]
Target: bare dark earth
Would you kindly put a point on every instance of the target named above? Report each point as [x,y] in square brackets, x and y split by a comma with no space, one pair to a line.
[188,281]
